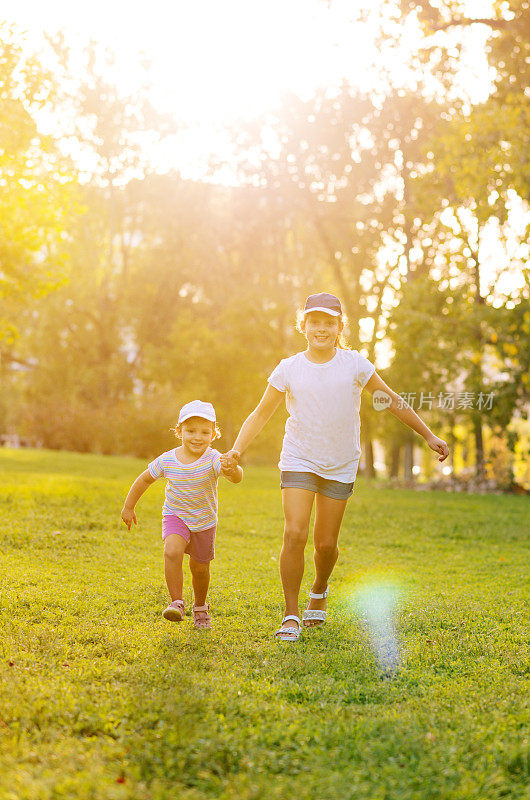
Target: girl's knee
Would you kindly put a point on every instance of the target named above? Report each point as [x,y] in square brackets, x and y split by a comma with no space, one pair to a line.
[294,536]
[199,568]
[173,548]
[327,548]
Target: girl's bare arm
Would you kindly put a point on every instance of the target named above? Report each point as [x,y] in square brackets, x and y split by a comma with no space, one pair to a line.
[233,473]
[141,483]
[400,409]
[256,420]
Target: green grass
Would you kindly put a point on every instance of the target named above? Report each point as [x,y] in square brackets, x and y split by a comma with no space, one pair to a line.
[101,698]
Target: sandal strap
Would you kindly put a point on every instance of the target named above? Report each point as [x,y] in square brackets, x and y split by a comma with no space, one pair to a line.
[294,632]
[291,616]
[314,613]
[322,596]
[201,608]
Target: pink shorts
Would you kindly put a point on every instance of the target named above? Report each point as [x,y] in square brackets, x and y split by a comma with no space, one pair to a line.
[201,544]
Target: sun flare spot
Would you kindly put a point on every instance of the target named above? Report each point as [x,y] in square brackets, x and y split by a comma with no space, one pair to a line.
[375,600]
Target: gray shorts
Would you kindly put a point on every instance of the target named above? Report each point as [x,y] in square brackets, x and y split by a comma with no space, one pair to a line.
[314,483]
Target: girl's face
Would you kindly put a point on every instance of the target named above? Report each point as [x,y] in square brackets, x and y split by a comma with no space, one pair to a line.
[197,435]
[321,330]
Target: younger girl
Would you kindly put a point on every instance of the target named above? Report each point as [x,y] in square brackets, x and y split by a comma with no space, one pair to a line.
[189,514]
[321,448]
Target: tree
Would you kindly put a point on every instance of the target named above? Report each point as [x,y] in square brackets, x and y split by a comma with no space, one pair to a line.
[344,165]
[499,128]
[38,199]
[37,190]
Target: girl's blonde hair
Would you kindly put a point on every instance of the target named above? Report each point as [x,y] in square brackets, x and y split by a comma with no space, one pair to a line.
[340,341]
[178,428]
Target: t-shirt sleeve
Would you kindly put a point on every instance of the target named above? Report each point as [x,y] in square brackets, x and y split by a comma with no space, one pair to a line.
[365,370]
[216,463]
[156,468]
[278,377]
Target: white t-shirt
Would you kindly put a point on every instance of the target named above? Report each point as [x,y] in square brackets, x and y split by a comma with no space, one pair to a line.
[322,433]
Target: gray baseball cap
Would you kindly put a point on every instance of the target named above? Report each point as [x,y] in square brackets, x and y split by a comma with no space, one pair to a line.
[325,302]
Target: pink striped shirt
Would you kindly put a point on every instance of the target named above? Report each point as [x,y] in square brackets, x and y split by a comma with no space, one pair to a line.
[191,489]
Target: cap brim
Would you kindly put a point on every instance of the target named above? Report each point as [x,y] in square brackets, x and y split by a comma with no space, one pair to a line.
[194,414]
[324,310]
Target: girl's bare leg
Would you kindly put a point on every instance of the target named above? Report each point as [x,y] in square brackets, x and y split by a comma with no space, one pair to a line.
[174,546]
[328,518]
[200,576]
[297,505]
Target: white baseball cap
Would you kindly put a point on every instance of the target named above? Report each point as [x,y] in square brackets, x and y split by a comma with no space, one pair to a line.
[197,408]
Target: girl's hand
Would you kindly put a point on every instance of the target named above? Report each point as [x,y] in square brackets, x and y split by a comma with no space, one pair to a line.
[230,460]
[439,446]
[128,516]
[228,471]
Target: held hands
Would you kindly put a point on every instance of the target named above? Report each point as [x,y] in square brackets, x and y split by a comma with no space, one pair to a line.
[439,446]
[128,516]
[230,462]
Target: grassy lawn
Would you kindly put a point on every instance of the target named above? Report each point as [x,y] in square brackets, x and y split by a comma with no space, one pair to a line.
[102,698]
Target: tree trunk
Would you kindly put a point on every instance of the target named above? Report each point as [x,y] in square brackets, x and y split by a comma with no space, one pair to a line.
[408,461]
[479,446]
[368,449]
[393,467]
[369,469]
[451,441]
[476,372]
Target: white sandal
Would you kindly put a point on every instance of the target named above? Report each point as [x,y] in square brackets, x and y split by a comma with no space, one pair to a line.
[292,634]
[314,615]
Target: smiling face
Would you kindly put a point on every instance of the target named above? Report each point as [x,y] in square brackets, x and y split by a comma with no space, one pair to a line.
[321,330]
[197,435]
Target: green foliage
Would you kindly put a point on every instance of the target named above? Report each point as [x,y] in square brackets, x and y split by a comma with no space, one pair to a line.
[497,138]
[477,161]
[118,349]
[509,336]
[499,465]
[180,289]
[37,190]
[345,162]
[102,698]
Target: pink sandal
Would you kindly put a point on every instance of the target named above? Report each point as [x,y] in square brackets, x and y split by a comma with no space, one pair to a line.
[175,611]
[201,619]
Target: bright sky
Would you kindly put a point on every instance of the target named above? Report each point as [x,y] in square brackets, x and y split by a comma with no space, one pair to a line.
[214,61]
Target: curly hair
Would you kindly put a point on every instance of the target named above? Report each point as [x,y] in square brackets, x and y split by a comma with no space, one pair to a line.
[215,430]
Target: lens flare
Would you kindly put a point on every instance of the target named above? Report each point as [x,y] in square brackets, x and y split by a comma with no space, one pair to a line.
[376,603]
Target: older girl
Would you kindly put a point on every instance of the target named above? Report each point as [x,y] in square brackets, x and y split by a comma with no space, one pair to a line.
[321,448]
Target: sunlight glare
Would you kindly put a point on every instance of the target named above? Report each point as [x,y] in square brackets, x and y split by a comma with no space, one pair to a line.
[376,601]
[216,61]
[214,64]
